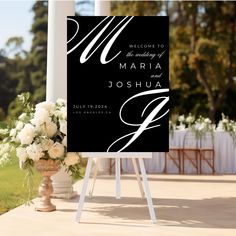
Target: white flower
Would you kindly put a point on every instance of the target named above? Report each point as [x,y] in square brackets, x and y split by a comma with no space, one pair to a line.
[56,151]
[13,132]
[23,117]
[4,148]
[63,126]
[19,125]
[4,158]
[181,118]
[190,119]
[71,159]
[64,141]
[200,127]
[3,131]
[207,120]
[50,129]
[61,102]
[27,134]
[61,113]
[35,151]
[224,121]
[41,116]
[46,144]
[49,106]
[41,129]
[21,153]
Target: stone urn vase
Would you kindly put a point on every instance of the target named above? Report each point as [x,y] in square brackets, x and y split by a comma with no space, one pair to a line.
[47,168]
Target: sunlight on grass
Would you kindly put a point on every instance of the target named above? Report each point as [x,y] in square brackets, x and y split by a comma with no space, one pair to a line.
[12,191]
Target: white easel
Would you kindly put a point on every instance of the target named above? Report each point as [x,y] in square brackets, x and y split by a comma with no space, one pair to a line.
[118,192]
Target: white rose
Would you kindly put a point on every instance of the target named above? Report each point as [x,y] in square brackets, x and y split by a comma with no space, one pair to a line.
[207,120]
[21,153]
[189,119]
[4,148]
[47,144]
[49,106]
[71,159]
[181,118]
[56,150]
[13,132]
[4,159]
[35,151]
[41,116]
[201,127]
[64,141]
[26,135]
[225,121]
[61,102]
[61,113]
[3,131]
[23,116]
[64,113]
[51,129]
[63,126]
[19,125]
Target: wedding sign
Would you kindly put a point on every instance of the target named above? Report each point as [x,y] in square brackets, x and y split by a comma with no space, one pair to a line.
[118,84]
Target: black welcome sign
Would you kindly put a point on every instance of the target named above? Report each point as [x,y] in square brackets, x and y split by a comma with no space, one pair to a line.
[118,85]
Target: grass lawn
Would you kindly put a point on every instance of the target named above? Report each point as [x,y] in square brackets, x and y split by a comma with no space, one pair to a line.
[12,191]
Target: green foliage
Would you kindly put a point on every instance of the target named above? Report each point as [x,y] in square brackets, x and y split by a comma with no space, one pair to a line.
[37,59]
[135,8]
[26,71]
[2,115]
[202,56]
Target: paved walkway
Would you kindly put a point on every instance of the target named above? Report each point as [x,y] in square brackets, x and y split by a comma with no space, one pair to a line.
[185,205]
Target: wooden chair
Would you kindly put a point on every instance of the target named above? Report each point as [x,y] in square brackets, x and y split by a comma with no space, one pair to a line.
[174,155]
[207,154]
[191,151]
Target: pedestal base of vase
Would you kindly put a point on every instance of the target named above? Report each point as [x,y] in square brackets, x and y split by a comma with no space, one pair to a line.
[45,208]
[47,168]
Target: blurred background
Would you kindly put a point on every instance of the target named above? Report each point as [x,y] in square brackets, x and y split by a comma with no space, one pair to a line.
[202,52]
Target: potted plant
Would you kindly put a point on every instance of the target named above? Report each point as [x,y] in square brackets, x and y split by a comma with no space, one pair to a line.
[39,138]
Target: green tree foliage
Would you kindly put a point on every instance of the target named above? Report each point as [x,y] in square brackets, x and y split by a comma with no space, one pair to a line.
[203,56]
[12,73]
[202,53]
[135,8]
[28,70]
[37,58]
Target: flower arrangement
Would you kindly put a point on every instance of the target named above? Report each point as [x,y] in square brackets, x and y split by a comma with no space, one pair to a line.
[190,119]
[201,125]
[40,132]
[227,125]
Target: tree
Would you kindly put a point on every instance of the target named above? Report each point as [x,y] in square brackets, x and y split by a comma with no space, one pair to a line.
[203,51]
[13,78]
[136,8]
[37,58]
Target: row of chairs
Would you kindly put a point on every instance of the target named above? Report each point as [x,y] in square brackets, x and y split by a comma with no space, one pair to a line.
[195,151]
